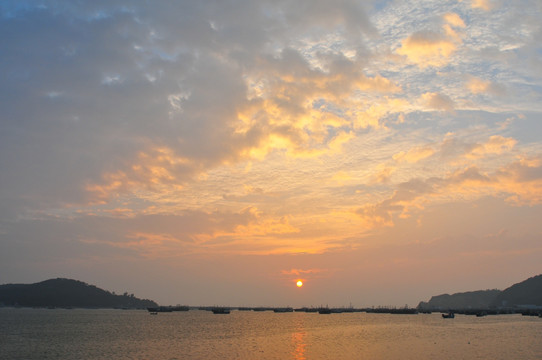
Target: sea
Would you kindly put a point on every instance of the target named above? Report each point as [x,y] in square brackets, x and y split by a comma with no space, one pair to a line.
[196,334]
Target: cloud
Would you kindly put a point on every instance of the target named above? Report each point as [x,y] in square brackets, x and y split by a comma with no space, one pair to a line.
[479,86]
[303,272]
[454,20]
[518,183]
[495,146]
[482,4]
[137,81]
[414,155]
[428,48]
[438,101]
[181,135]
[457,151]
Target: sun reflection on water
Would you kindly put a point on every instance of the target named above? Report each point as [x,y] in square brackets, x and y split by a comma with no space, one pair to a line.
[299,342]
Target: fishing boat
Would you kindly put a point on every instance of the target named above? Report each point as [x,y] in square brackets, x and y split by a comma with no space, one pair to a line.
[159,309]
[220,310]
[449,315]
[325,310]
[283,310]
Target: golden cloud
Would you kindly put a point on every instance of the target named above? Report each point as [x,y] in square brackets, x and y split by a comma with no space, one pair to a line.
[372,116]
[438,101]
[519,183]
[454,20]
[341,177]
[377,215]
[481,4]
[299,272]
[427,49]
[414,155]
[496,145]
[479,86]
[149,245]
[430,48]
[383,174]
[151,169]
[263,228]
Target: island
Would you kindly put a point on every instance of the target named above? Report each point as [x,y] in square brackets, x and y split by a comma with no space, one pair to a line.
[525,295]
[67,293]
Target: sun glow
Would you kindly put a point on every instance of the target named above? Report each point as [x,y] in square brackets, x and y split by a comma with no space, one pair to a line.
[299,283]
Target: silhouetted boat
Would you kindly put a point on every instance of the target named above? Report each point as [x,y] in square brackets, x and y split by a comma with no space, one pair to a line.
[449,315]
[260,309]
[159,309]
[283,310]
[324,311]
[218,310]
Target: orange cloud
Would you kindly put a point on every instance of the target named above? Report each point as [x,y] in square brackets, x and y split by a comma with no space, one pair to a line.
[149,245]
[341,177]
[430,48]
[414,155]
[454,20]
[383,175]
[438,101]
[519,183]
[481,4]
[378,215]
[479,86]
[427,49]
[151,169]
[263,227]
[372,115]
[495,146]
[299,272]
[522,180]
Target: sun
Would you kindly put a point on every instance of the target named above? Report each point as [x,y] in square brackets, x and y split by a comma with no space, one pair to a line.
[299,283]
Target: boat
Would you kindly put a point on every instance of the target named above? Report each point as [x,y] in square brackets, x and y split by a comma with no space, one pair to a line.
[324,311]
[260,309]
[159,309]
[449,315]
[218,310]
[283,310]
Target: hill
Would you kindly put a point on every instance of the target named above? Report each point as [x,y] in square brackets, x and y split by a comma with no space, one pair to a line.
[67,293]
[527,292]
[481,299]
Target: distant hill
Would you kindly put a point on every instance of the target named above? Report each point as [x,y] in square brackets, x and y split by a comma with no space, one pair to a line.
[67,293]
[528,292]
[481,299]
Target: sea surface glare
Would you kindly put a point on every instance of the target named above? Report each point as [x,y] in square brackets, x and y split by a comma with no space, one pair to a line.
[134,334]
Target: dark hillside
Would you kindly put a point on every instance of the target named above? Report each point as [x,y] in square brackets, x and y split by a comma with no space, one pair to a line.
[528,292]
[468,300]
[66,293]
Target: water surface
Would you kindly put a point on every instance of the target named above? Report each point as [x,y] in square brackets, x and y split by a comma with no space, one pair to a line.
[126,334]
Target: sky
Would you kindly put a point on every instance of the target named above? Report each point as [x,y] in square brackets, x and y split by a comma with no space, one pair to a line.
[215,152]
